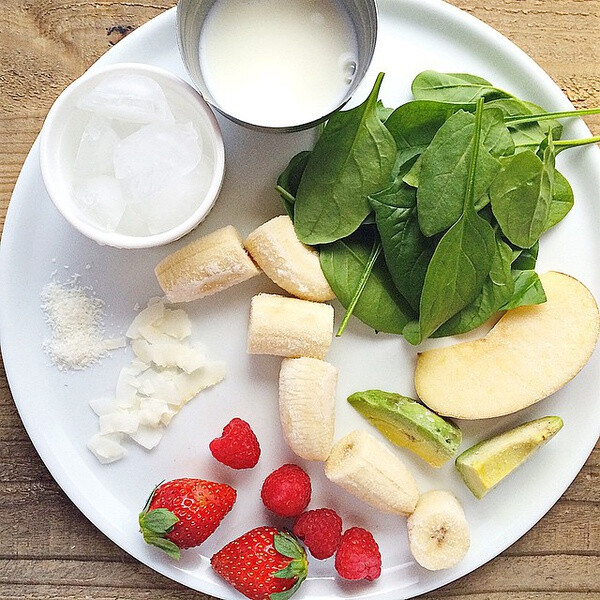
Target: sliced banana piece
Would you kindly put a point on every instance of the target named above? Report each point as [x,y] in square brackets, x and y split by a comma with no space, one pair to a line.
[365,467]
[438,531]
[208,265]
[292,265]
[307,389]
[289,327]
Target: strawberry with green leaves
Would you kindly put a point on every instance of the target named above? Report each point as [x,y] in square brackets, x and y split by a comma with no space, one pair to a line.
[265,563]
[182,513]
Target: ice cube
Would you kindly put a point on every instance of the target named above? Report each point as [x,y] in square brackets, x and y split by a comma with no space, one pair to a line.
[100,200]
[132,223]
[133,98]
[152,158]
[96,148]
[174,203]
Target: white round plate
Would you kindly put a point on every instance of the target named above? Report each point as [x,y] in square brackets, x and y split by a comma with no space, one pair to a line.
[414,35]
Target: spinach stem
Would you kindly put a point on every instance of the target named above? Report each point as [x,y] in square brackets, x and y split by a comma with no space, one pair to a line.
[375,252]
[561,145]
[285,194]
[470,195]
[574,143]
[519,119]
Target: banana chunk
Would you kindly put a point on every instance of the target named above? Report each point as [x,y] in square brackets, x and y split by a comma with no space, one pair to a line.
[307,389]
[438,532]
[206,266]
[365,467]
[289,263]
[289,327]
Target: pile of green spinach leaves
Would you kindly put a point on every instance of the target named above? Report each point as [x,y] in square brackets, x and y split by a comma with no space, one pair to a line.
[427,218]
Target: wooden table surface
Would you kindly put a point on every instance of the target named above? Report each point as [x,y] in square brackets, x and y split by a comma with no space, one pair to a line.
[48,549]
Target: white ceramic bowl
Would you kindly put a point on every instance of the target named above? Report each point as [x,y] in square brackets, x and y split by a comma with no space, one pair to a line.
[62,131]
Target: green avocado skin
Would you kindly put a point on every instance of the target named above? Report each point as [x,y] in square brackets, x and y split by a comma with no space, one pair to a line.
[409,424]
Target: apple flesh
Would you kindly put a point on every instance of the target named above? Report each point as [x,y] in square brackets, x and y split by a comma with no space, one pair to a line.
[531,353]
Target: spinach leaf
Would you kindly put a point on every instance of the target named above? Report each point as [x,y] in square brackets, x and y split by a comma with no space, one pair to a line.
[562,200]
[521,196]
[526,258]
[414,124]
[525,132]
[462,259]
[444,174]
[497,289]
[528,290]
[354,157]
[407,251]
[457,271]
[383,112]
[495,137]
[411,178]
[375,252]
[289,180]
[454,87]
[379,306]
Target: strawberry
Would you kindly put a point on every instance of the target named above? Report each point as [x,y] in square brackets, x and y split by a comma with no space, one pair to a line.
[182,513]
[265,563]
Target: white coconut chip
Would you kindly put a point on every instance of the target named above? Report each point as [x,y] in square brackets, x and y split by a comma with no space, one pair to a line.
[106,448]
[166,373]
[119,421]
[103,405]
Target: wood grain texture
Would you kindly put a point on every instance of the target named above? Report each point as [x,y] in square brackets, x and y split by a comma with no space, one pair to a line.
[48,550]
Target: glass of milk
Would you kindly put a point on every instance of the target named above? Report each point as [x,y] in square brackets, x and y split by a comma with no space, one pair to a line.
[278,65]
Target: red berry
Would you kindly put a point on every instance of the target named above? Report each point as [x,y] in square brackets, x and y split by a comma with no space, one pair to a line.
[250,563]
[237,447]
[286,491]
[320,530]
[182,513]
[358,555]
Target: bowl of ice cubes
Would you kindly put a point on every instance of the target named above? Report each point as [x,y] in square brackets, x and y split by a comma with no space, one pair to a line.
[132,156]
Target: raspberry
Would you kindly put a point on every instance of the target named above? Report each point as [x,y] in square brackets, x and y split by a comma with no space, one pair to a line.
[237,447]
[320,530]
[286,491]
[358,555]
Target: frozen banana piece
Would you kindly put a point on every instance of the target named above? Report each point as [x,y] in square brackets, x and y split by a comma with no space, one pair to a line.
[366,468]
[206,266]
[307,389]
[438,531]
[289,327]
[292,265]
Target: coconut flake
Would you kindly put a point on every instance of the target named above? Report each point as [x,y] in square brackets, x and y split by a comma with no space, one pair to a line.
[103,405]
[166,373]
[148,437]
[120,421]
[106,448]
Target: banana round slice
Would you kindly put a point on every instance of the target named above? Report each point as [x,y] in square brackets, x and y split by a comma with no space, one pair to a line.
[438,531]
[287,261]
[306,406]
[365,467]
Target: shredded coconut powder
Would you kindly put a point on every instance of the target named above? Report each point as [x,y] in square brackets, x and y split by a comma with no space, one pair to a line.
[75,316]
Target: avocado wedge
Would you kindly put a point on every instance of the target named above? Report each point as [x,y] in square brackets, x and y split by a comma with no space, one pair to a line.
[487,463]
[409,424]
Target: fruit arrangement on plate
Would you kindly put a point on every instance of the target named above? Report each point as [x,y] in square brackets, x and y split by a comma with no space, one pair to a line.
[422,221]
[441,235]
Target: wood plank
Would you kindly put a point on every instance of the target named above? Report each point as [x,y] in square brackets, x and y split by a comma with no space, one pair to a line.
[558,573]
[46,592]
